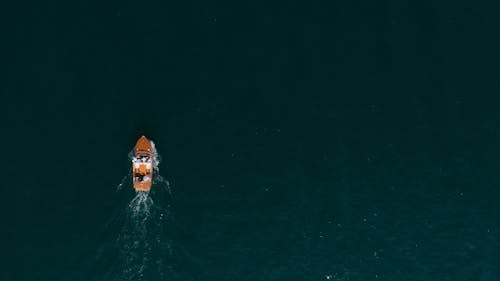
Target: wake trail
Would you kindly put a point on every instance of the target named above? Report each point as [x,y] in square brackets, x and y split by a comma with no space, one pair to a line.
[143,247]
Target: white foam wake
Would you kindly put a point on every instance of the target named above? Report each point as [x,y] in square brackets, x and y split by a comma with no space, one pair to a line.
[141,241]
[157,178]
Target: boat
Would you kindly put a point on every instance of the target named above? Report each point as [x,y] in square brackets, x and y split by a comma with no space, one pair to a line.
[142,165]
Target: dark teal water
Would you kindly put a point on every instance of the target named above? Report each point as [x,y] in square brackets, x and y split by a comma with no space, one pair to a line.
[300,141]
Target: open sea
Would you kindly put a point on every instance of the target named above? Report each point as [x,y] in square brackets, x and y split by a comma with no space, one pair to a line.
[343,140]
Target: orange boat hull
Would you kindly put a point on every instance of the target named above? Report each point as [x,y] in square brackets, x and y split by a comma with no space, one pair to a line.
[142,165]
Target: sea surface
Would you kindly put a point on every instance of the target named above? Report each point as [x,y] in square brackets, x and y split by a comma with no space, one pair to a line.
[297,141]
